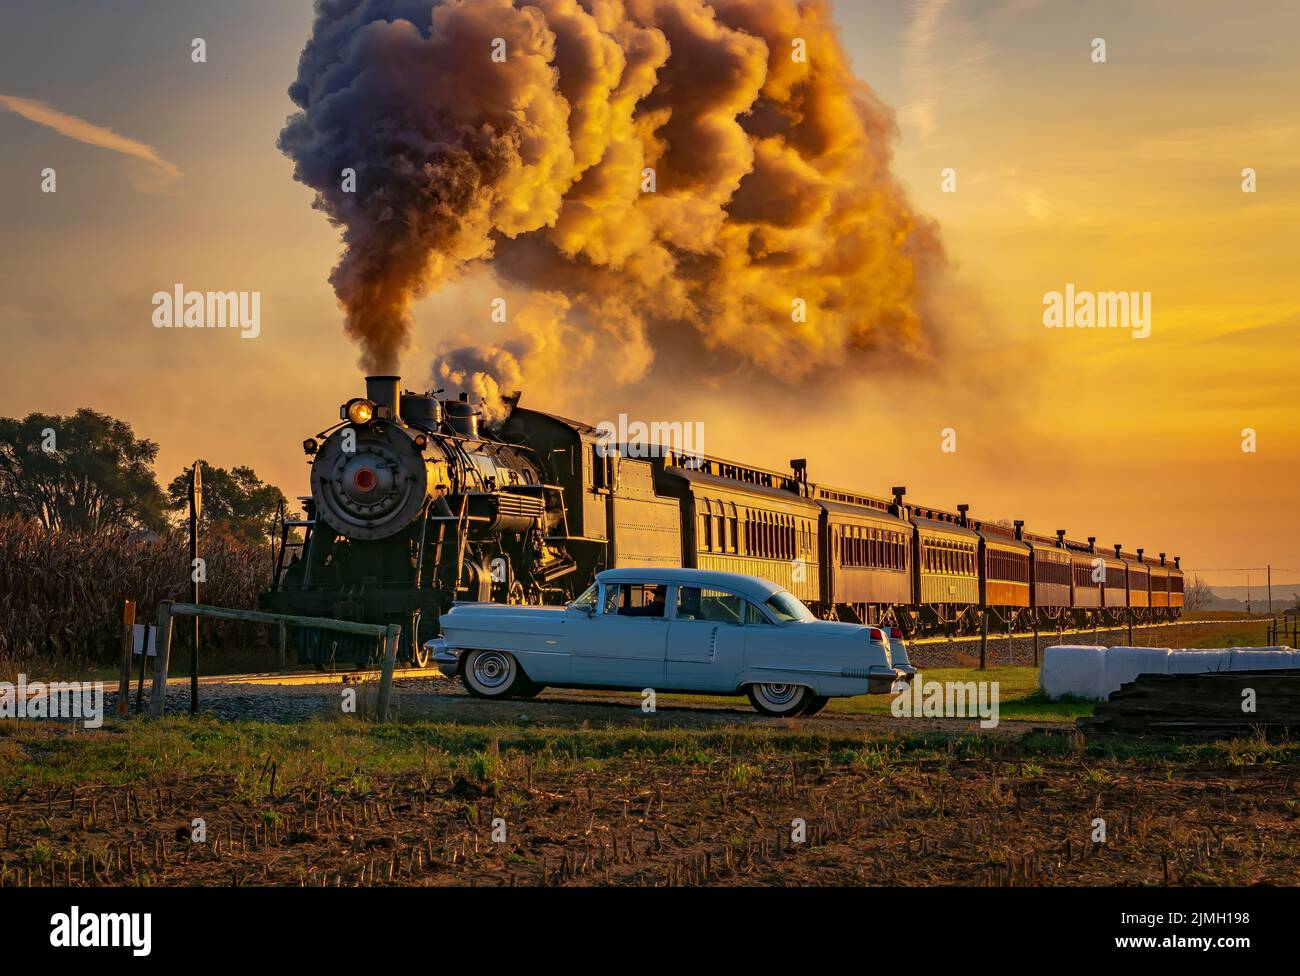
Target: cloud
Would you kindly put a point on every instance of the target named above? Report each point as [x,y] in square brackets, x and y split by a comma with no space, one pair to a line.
[165,173]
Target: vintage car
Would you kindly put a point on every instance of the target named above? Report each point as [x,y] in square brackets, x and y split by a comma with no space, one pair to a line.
[684,630]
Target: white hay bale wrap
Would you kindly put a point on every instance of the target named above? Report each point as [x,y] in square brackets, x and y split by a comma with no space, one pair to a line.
[1182,661]
[1123,664]
[1078,670]
[1264,658]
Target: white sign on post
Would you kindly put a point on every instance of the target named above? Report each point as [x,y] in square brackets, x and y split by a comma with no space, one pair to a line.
[138,638]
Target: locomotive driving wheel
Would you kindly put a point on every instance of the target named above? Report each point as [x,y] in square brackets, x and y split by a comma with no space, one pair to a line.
[419,653]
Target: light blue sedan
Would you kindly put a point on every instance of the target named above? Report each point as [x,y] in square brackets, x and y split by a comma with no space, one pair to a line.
[681,630]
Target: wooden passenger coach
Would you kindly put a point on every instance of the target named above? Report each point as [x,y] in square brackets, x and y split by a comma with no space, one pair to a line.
[1175,586]
[868,556]
[740,519]
[1004,563]
[946,574]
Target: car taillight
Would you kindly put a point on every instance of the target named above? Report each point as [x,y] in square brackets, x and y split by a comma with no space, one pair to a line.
[896,632]
[877,634]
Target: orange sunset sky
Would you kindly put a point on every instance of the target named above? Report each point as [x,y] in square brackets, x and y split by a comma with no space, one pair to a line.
[1118,176]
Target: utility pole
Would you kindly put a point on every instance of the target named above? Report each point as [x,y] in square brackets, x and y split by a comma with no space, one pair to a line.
[1270,589]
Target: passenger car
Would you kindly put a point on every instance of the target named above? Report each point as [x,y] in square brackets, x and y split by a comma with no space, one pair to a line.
[684,630]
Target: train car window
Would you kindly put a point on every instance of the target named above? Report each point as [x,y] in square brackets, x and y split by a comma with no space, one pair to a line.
[598,469]
[705,543]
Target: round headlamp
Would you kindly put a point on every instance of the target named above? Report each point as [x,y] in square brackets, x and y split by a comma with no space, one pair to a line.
[360,411]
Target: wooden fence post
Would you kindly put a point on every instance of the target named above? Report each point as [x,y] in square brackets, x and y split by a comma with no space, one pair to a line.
[282,644]
[984,636]
[391,640]
[124,679]
[158,696]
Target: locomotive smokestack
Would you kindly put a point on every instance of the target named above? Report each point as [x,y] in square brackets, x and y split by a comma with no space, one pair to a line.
[1020,528]
[961,514]
[1162,559]
[1139,552]
[1177,562]
[1060,538]
[385,392]
[1118,547]
[1092,543]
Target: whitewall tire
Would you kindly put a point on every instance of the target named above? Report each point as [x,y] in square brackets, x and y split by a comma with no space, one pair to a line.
[780,700]
[492,674]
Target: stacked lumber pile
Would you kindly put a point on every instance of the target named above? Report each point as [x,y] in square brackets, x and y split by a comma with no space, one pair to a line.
[1208,705]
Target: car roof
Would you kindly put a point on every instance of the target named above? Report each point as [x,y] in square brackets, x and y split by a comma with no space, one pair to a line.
[752,587]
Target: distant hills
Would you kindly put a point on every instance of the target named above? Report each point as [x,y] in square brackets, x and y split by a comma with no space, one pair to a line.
[1234,598]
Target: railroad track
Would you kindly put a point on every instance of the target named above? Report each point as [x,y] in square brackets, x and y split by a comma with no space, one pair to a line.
[431,672]
[1027,634]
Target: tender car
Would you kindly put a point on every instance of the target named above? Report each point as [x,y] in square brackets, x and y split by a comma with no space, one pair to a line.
[683,630]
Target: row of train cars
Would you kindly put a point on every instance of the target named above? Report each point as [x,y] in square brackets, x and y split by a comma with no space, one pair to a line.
[847,555]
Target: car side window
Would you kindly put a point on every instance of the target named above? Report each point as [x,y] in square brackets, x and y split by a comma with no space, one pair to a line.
[753,615]
[635,599]
[699,603]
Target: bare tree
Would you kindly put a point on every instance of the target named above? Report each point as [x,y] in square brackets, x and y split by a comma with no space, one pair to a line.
[1197,594]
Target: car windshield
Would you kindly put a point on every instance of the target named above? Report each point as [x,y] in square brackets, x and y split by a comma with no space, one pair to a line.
[786,606]
[588,599]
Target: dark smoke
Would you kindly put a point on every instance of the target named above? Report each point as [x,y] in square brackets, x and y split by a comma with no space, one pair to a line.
[772,181]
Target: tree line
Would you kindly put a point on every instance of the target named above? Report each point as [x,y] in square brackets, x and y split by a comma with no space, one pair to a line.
[89,472]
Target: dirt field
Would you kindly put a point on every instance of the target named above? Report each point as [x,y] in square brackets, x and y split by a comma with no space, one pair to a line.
[330,803]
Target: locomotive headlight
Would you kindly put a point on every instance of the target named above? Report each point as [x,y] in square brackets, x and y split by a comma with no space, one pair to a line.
[359,411]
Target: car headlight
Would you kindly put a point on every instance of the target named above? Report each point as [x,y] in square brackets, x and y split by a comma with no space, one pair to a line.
[359,411]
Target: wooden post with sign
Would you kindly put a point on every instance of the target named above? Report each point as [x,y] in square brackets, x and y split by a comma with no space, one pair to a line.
[984,636]
[196,507]
[124,678]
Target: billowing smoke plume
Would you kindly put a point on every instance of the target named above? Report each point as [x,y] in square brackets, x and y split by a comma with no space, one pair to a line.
[705,182]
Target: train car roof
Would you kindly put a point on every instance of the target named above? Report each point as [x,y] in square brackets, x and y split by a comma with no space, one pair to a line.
[704,479]
[846,510]
[1000,535]
[937,526]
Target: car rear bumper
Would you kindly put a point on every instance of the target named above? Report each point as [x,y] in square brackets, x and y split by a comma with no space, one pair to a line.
[881,681]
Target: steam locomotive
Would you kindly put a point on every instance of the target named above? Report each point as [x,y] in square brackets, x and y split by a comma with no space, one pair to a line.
[417,503]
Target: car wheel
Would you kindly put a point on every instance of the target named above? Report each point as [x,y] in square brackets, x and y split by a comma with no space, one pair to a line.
[779,699]
[815,704]
[492,674]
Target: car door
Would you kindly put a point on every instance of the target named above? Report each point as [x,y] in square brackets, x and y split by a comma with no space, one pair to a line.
[622,644]
[706,640]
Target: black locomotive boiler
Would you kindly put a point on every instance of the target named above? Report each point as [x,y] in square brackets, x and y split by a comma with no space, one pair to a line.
[417,504]
[412,507]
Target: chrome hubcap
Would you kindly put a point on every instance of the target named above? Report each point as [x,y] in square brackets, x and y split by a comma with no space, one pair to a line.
[491,670]
[779,694]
